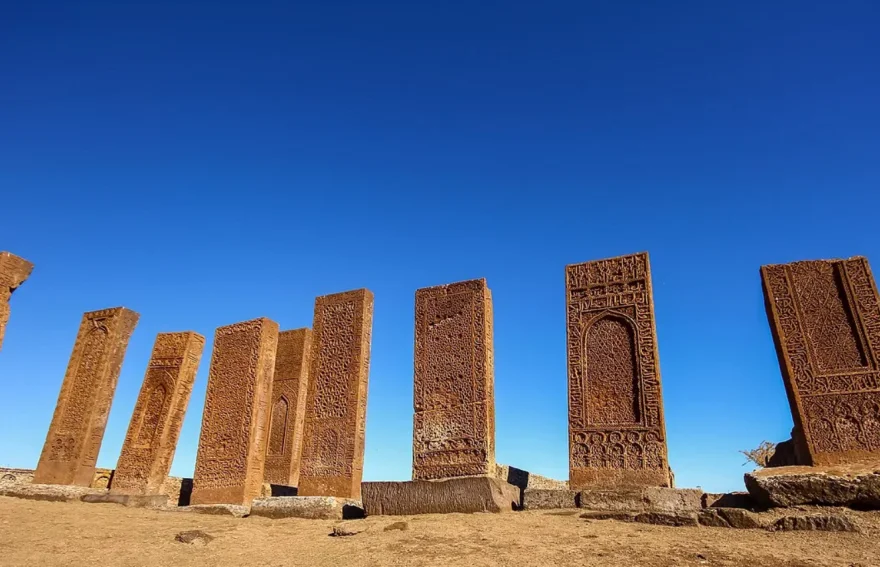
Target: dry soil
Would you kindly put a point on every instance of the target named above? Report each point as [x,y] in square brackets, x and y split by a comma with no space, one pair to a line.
[53,533]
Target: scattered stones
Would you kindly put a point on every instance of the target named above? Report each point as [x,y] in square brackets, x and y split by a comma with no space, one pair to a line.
[194,537]
[465,495]
[543,499]
[854,486]
[217,510]
[348,529]
[402,526]
[309,507]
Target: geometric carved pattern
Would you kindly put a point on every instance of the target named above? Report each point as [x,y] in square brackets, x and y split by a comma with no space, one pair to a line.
[13,272]
[232,445]
[336,404]
[77,429]
[454,401]
[288,407]
[825,319]
[158,414]
[617,435]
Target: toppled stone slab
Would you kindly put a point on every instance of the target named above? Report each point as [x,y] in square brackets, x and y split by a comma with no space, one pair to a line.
[48,492]
[233,510]
[656,518]
[728,500]
[526,480]
[464,495]
[130,500]
[855,486]
[308,507]
[816,522]
[545,499]
[649,499]
[733,518]
[811,519]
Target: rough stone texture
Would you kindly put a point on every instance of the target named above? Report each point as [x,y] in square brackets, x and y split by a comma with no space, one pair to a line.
[289,390]
[526,480]
[348,529]
[232,445]
[548,499]
[13,272]
[336,406]
[733,518]
[309,507]
[179,490]
[465,495]
[454,392]
[194,537]
[233,510]
[158,414]
[814,519]
[656,518]
[728,500]
[617,436]
[825,318]
[102,478]
[77,428]
[819,522]
[649,498]
[130,500]
[15,476]
[855,486]
[47,492]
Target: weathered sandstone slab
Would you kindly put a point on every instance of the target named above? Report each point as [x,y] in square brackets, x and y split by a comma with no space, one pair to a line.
[308,507]
[548,499]
[649,498]
[464,495]
[855,486]
[130,500]
[48,492]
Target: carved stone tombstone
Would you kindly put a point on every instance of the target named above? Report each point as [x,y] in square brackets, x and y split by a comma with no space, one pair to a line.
[13,272]
[454,398]
[232,444]
[77,429]
[617,435]
[825,318]
[158,414]
[336,406]
[289,390]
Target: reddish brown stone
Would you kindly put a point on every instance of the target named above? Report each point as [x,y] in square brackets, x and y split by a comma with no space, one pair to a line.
[617,436]
[289,390]
[825,318]
[454,401]
[232,445]
[336,407]
[13,272]
[77,429]
[158,414]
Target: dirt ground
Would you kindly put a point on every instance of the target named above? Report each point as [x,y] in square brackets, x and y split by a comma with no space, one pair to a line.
[53,533]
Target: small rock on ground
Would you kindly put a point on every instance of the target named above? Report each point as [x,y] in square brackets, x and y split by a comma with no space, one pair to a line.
[402,526]
[194,537]
[347,529]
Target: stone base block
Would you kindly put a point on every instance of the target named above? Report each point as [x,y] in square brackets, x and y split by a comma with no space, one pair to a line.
[130,500]
[48,492]
[269,489]
[805,519]
[309,507]
[543,499]
[649,499]
[854,486]
[464,495]
[233,510]
[656,518]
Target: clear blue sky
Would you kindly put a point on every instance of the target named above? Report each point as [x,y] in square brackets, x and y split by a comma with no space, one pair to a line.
[205,163]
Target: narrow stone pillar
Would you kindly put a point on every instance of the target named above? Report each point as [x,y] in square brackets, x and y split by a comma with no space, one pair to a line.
[232,446]
[289,390]
[336,407]
[454,397]
[77,429]
[158,414]
[13,272]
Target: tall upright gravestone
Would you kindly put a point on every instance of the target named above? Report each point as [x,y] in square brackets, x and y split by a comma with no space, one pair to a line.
[13,272]
[454,399]
[77,428]
[336,405]
[158,414]
[289,390]
[232,445]
[825,318]
[617,435]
